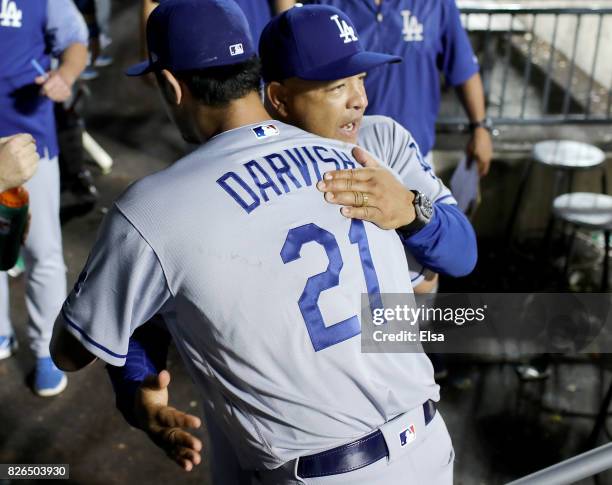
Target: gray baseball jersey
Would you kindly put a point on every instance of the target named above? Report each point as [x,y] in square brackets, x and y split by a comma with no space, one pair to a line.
[391,143]
[259,281]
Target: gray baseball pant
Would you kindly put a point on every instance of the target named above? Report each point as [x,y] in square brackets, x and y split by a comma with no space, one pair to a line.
[44,261]
[427,460]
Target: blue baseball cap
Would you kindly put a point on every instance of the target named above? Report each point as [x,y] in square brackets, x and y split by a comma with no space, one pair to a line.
[184,35]
[316,43]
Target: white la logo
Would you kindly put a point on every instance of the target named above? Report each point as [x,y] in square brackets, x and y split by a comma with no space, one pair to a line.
[413,30]
[346,31]
[10,15]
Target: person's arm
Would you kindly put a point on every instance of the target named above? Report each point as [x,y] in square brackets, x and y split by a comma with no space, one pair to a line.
[390,206]
[146,356]
[447,244]
[146,7]
[480,145]
[68,353]
[281,5]
[141,390]
[117,291]
[18,160]
[67,35]
[460,67]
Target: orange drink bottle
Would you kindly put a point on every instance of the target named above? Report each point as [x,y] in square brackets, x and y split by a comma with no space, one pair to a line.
[13,220]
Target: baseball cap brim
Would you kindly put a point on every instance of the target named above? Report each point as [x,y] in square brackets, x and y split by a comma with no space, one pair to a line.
[349,66]
[140,69]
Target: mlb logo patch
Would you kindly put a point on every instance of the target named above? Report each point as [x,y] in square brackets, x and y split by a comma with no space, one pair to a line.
[236,50]
[265,131]
[408,435]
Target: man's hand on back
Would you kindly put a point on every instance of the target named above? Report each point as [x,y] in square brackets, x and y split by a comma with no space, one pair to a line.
[371,193]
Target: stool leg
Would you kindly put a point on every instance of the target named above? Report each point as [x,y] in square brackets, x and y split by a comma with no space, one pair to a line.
[605,277]
[600,421]
[568,254]
[517,200]
[558,190]
[557,184]
[570,181]
[547,241]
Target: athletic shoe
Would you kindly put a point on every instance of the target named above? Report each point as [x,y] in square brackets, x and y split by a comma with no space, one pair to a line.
[48,379]
[103,61]
[8,346]
[89,74]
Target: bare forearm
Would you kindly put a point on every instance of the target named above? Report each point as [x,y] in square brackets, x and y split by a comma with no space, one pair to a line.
[147,6]
[73,61]
[282,5]
[471,95]
[66,351]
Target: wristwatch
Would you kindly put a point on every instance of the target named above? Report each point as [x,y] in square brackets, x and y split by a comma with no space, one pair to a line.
[486,123]
[424,212]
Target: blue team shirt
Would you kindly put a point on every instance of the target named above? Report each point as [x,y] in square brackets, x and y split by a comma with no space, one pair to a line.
[428,35]
[258,13]
[33,30]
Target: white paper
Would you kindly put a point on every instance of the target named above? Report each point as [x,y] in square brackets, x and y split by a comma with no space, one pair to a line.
[464,185]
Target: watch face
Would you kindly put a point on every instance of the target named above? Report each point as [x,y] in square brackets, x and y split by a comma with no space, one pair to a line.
[424,206]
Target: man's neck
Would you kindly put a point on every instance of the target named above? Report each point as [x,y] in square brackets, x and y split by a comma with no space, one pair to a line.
[241,112]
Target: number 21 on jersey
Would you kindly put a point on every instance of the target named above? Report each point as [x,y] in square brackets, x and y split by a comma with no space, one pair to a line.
[320,335]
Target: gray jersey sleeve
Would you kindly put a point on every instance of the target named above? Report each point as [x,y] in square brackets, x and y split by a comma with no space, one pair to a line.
[121,287]
[391,143]
[394,145]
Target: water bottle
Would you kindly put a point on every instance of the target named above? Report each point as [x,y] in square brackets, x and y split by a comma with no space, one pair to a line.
[13,220]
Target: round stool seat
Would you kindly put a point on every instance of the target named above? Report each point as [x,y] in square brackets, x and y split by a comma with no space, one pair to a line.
[568,154]
[593,211]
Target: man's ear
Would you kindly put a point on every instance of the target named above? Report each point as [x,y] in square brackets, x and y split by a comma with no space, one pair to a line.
[173,88]
[276,99]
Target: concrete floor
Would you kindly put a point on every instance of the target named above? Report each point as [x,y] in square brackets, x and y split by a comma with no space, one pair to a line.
[499,432]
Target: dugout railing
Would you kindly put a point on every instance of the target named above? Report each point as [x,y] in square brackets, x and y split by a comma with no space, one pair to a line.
[572,470]
[540,66]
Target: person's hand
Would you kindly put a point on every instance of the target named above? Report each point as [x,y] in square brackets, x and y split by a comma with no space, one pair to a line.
[371,194]
[18,160]
[56,85]
[480,150]
[166,425]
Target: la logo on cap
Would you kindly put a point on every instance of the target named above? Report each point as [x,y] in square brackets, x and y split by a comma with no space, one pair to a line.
[346,31]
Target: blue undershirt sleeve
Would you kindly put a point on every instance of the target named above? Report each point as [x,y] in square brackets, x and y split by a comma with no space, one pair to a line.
[147,354]
[447,244]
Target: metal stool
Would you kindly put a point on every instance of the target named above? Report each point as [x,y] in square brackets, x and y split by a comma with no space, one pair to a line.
[588,211]
[566,157]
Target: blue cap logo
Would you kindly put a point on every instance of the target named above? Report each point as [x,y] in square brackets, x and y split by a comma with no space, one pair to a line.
[347,33]
[317,43]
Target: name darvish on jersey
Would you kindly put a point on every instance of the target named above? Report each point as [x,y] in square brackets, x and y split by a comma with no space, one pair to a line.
[257,180]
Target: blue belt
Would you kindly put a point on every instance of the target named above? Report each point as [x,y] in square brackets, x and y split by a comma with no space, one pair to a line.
[354,455]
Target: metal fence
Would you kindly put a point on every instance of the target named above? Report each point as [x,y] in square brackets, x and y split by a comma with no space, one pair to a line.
[541,65]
